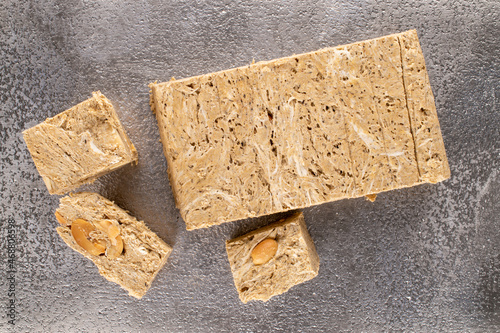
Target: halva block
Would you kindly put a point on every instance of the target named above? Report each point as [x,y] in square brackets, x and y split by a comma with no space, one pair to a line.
[124,249]
[80,144]
[270,260]
[341,122]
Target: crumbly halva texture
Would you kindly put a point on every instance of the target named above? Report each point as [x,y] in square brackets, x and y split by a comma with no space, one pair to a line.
[143,255]
[295,261]
[431,156]
[79,145]
[341,122]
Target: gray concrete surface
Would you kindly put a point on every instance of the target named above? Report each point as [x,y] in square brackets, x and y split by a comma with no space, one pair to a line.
[423,259]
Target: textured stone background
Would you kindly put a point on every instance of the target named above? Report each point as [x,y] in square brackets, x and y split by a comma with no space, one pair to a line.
[420,259]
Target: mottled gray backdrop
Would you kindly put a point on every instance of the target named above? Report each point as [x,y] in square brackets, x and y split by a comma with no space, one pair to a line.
[420,259]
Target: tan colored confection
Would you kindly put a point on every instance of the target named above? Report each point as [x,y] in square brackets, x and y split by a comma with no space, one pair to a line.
[380,58]
[80,144]
[124,250]
[294,261]
[371,169]
[336,123]
[431,156]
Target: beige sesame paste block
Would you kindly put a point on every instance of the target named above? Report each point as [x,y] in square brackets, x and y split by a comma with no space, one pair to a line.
[79,145]
[382,61]
[124,250]
[287,133]
[291,259]
[431,156]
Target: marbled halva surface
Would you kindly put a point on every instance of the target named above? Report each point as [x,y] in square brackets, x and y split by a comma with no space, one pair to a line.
[420,259]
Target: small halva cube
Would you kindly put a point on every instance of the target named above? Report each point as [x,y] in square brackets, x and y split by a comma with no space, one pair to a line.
[270,260]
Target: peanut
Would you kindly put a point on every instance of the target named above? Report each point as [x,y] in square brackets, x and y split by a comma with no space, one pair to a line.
[264,251]
[371,197]
[115,249]
[80,230]
[113,232]
[60,218]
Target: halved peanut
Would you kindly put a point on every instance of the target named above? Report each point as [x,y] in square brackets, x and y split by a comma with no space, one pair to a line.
[80,230]
[101,242]
[60,218]
[113,231]
[371,197]
[103,225]
[264,251]
[109,228]
[115,249]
